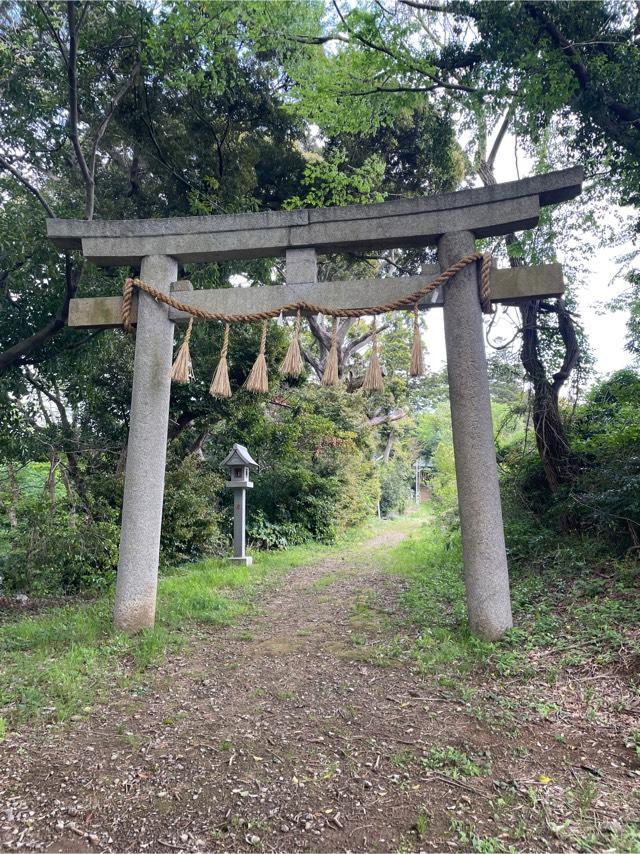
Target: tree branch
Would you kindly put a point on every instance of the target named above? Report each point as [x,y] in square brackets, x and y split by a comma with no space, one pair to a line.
[580,70]
[411,66]
[4,164]
[54,32]
[16,355]
[311,360]
[102,127]
[357,343]
[491,159]
[426,7]
[396,415]
[72,77]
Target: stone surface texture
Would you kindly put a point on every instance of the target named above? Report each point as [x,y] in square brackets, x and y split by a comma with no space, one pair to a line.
[484,553]
[239,522]
[301,266]
[146,455]
[551,188]
[508,285]
[487,211]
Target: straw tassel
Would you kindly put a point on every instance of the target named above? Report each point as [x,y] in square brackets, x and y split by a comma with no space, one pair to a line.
[330,375]
[417,358]
[181,370]
[292,364]
[373,377]
[258,379]
[220,386]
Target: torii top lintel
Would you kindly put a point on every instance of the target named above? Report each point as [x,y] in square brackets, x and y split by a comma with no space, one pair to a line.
[485,211]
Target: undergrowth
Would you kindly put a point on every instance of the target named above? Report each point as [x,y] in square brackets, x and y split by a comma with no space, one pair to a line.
[569,598]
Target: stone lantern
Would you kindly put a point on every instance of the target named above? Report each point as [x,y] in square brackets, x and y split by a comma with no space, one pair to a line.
[239,464]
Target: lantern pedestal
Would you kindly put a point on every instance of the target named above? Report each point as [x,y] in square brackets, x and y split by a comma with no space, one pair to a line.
[239,464]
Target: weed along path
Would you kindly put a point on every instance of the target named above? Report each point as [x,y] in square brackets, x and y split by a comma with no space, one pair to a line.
[307,725]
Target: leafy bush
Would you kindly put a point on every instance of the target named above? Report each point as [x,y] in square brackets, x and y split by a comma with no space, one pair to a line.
[191,518]
[602,501]
[263,534]
[58,552]
[316,477]
[396,478]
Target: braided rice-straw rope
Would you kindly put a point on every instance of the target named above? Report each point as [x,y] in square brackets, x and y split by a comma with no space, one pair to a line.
[312,308]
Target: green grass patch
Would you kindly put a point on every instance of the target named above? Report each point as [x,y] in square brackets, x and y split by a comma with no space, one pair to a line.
[326,580]
[61,663]
[431,560]
[574,601]
[455,763]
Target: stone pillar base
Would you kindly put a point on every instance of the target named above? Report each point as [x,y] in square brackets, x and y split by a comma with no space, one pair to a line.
[243,561]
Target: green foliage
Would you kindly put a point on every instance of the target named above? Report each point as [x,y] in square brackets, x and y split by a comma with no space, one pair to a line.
[58,551]
[316,477]
[333,181]
[191,519]
[603,499]
[263,534]
[396,479]
[572,555]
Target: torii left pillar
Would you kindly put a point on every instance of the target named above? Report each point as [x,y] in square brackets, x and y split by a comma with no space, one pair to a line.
[137,580]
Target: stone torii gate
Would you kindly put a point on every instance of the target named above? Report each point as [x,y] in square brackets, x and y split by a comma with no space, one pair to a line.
[452,221]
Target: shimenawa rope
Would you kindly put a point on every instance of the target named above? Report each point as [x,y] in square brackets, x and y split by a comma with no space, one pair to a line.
[312,308]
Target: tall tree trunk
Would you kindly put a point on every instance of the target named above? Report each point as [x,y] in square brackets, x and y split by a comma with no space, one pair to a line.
[550,432]
[549,428]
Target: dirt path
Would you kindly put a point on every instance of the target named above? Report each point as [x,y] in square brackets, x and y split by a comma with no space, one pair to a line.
[297,728]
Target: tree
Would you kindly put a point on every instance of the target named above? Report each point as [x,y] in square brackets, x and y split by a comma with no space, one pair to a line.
[516,67]
[104,114]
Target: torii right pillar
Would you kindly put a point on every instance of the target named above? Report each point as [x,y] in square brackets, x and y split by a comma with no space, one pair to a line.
[483,547]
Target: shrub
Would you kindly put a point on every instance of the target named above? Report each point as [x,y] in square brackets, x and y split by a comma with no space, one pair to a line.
[396,478]
[191,517]
[602,501]
[316,474]
[263,534]
[56,552]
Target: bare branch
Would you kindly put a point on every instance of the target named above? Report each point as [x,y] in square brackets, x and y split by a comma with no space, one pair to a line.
[358,343]
[491,159]
[54,32]
[396,415]
[425,7]
[72,76]
[18,353]
[102,127]
[4,164]
[311,360]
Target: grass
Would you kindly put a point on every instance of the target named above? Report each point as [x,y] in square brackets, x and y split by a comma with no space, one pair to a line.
[580,607]
[455,763]
[59,664]
[430,559]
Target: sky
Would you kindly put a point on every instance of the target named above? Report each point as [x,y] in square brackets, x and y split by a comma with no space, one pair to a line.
[606,330]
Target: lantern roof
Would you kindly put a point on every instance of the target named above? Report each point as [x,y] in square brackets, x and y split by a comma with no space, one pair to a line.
[239,456]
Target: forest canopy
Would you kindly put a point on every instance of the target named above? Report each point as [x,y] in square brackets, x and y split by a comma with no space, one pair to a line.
[118,110]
